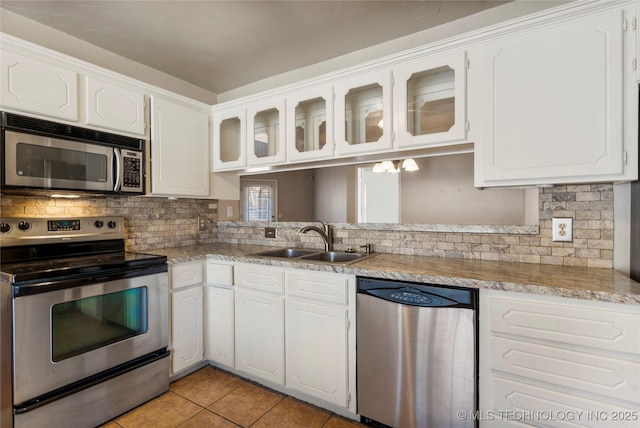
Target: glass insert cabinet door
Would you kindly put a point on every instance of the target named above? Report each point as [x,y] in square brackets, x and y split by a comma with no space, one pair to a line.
[229,139]
[431,101]
[310,125]
[363,114]
[265,126]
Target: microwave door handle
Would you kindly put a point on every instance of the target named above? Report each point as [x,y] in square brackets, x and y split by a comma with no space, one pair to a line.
[118,160]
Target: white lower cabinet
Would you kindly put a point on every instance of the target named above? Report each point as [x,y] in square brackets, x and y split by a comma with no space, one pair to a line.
[295,330]
[219,326]
[317,350]
[187,336]
[259,321]
[558,362]
[260,335]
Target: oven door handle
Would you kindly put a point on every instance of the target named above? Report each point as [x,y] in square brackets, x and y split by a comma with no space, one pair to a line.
[118,167]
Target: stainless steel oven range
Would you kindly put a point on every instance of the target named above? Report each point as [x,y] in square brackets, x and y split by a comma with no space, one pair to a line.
[84,324]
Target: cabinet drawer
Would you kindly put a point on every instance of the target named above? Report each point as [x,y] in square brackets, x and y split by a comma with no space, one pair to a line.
[318,286]
[579,370]
[185,274]
[219,274]
[529,400]
[588,325]
[260,278]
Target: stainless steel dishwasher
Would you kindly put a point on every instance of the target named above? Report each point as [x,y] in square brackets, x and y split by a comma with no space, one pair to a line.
[416,354]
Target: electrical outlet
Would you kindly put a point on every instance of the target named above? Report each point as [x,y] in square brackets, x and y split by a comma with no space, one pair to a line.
[202,223]
[269,232]
[562,229]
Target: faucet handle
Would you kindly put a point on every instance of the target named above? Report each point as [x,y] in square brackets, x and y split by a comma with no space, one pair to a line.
[368,248]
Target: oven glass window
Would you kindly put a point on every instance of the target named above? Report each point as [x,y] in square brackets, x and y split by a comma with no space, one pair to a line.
[58,163]
[86,324]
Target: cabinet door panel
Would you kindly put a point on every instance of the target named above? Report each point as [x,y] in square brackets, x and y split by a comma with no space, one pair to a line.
[431,101]
[553,103]
[515,398]
[185,274]
[229,139]
[310,125]
[580,326]
[260,278]
[579,370]
[220,325]
[363,114]
[186,328]
[317,350]
[330,288]
[179,150]
[38,87]
[266,133]
[260,335]
[113,107]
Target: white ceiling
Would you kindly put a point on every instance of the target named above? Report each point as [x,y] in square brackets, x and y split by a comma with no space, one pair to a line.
[223,45]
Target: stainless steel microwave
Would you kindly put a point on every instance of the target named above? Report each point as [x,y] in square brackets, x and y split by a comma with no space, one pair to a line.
[39,155]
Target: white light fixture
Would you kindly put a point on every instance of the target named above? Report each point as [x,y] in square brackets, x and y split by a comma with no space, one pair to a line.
[378,167]
[395,166]
[64,196]
[388,165]
[410,165]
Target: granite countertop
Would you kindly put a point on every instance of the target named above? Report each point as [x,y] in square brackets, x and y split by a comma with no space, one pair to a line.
[563,281]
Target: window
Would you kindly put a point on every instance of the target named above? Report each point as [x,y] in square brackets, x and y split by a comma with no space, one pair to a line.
[258,200]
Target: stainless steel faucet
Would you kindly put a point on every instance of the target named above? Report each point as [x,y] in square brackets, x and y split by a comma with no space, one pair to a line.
[325,234]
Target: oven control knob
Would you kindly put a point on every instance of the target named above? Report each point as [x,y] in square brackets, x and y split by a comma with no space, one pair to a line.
[99,223]
[5,227]
[24,225]
[111,224]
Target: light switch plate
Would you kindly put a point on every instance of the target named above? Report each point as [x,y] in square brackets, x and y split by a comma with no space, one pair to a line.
[562,229]
[269,232]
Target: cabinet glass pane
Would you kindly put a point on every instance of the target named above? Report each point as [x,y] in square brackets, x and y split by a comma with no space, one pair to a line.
[431,101]
[265,133]
[230,139]
[311,124]
[363,115]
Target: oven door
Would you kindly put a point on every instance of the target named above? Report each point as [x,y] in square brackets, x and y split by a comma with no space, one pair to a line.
[50,163]
[67,335]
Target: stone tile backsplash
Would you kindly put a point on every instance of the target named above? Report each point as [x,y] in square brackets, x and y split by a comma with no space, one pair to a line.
[161,223]
[591,207]
[151,223]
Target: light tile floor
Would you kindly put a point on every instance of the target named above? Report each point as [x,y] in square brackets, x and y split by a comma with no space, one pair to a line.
[216,399]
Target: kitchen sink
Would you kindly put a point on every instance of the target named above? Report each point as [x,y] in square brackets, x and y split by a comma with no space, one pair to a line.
[334,257]
[285,253]
[308,255]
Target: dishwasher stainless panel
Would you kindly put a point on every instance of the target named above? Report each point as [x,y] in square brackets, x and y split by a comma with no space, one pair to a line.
[416,354]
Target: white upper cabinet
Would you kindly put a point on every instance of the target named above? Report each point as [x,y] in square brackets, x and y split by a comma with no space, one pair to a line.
[179,149]
[310,125]
[38,87]
[229,139]
[266,131]
[113,107]
[363,114]
[553,104]
[430,101]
